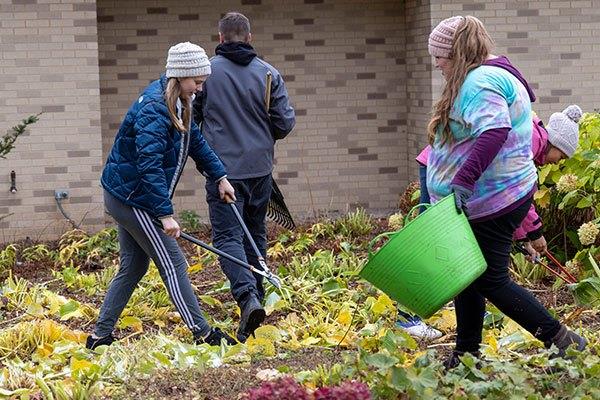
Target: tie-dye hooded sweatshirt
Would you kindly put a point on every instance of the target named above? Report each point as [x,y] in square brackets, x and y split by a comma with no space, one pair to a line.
[490,98]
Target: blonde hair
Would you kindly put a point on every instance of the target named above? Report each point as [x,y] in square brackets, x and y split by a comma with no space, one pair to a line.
[172,93]
[471,46]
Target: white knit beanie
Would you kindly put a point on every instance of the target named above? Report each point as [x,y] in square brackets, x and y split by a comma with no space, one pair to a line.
[563,129]
[187,60]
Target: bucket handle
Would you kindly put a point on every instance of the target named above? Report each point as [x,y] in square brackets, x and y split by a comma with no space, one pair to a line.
[376,239]
[407,220]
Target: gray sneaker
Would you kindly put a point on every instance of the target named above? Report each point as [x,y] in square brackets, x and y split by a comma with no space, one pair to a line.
[565,338]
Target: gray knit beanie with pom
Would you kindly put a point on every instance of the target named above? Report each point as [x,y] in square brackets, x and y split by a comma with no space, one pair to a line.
[563,129]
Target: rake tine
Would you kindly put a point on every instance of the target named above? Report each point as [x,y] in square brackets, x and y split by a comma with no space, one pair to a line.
[277,209]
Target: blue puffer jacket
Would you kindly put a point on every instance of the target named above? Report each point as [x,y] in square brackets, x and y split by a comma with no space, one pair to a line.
[148,156]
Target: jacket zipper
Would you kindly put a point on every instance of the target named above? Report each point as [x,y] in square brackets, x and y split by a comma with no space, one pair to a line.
[182,158]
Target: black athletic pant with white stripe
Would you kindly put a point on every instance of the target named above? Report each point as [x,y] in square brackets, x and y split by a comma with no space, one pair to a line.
[139,241]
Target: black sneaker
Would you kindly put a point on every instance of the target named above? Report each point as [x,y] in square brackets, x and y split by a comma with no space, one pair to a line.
[91,342]
[252,316]
[215,337]
[453,360]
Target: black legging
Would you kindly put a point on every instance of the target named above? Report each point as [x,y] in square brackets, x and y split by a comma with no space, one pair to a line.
[495,240]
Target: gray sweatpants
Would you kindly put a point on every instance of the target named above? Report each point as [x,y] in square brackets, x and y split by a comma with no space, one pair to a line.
[140,240]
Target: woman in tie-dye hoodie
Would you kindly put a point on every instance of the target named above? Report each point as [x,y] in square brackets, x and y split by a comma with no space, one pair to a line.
[480,133]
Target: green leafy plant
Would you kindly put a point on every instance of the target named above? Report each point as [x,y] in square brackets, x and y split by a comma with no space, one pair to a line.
[324,229]
[78,248]
[7,142]
[39,252]
[525,271]
[587,291]
[190,221]
[8,256]
[357,223]
[302,242]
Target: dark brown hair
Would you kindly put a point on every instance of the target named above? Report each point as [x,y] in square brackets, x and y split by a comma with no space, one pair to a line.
[234,27]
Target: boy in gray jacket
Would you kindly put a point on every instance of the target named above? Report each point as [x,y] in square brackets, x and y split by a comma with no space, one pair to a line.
[244,108]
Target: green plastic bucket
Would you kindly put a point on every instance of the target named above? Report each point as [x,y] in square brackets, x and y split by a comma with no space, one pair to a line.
[429,261]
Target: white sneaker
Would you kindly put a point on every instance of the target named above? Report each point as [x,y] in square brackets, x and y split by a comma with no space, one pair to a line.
[418,329]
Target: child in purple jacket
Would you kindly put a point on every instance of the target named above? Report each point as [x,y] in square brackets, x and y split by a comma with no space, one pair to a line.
[549,145]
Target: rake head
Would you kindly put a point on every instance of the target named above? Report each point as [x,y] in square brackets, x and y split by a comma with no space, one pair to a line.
[277,209]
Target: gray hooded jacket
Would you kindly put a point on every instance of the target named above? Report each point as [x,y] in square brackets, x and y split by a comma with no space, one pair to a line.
[232,109]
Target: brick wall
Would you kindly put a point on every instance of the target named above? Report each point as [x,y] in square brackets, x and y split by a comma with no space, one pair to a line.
[419,79]
[49,64]
[344,69]
[358,73]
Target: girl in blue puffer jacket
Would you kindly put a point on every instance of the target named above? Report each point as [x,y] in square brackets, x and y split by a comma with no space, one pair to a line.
[143,168]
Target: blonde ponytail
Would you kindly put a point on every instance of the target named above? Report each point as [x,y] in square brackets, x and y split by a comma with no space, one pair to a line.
[172,93]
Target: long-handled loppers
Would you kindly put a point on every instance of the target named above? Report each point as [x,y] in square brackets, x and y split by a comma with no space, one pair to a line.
[560,271]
